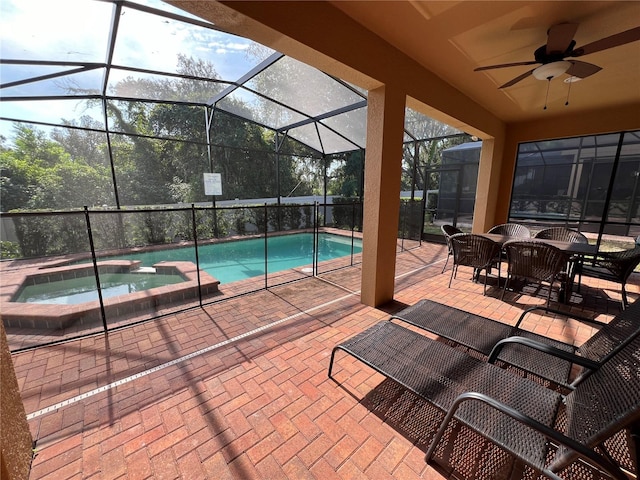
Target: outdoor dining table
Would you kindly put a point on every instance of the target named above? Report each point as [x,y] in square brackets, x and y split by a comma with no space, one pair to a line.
[576,252]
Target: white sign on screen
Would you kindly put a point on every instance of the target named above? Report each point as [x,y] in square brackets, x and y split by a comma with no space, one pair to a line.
[212,183]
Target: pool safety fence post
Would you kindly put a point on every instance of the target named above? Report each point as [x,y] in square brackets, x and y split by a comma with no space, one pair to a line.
[215,218]
[266,246]
[403,223]
[316,238]
[95,268]
[353,227]
[195,245]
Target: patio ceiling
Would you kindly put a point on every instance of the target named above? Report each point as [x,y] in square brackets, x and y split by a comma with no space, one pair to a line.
[453,38]
[450,39]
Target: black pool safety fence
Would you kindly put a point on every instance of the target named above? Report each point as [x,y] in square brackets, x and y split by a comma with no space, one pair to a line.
[75,273]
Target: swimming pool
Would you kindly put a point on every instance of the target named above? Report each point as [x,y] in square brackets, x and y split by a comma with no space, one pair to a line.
[62,295]
[242,259]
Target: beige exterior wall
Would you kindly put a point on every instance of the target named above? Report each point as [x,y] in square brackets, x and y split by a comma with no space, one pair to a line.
[15,437]
[488,187]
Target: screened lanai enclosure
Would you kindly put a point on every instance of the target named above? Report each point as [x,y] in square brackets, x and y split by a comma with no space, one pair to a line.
[589,183]
[586,183]
[143,135]
[151,162]
[141,100]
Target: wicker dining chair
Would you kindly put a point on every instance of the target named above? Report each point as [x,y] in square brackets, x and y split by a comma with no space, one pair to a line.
[448,231]
[474,251]
[534,260]
[561,234]
[511,230]
[615,267]
[564,234]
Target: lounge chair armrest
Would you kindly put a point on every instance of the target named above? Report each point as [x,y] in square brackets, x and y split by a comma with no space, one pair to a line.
[554,435]
[542,347]
[558,312]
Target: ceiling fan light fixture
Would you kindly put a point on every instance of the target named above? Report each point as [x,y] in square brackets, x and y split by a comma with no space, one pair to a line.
[572,79]
[551,70]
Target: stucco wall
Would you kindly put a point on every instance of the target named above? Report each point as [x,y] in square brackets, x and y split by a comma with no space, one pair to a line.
[15,436]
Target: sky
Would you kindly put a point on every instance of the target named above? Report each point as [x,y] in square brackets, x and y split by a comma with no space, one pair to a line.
[44,30]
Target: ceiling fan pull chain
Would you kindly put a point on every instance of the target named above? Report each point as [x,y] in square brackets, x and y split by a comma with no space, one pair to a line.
[547,96]
[568,92]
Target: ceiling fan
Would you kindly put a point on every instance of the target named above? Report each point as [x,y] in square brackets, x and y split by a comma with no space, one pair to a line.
[560,46]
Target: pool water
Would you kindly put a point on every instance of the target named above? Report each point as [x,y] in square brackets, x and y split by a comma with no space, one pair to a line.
[79,290]
[227,262]
[242,259]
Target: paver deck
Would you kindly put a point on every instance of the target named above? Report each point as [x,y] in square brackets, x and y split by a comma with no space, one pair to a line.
[239,389]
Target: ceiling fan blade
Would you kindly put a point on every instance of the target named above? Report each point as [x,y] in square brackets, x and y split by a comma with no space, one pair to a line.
[559,37]
[491,67]
[582,69]
[618,39]
[517,79]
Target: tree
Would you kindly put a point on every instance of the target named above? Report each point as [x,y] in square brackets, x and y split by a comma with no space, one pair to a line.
[347,178]
[38,173]
[87,142]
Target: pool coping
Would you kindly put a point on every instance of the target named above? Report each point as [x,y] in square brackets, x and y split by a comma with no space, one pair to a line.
[54,316]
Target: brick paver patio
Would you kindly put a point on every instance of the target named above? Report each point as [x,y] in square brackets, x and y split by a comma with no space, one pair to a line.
[239,389]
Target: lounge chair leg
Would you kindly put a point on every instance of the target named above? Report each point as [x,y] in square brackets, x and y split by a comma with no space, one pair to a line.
[333,354]
[453,272]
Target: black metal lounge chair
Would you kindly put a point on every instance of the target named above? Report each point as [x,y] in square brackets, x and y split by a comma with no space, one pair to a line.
[601,406]
[516,414]
[523,348]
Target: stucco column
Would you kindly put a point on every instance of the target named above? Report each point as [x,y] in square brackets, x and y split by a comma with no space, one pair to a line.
[491,197]
[383,161]
[15,437]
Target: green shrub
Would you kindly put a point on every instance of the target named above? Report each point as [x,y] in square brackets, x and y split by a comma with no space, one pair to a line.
[9,250]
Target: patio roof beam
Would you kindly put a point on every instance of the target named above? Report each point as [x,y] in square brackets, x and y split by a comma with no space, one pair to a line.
[93,65]
[10,61]
[332,113]
[50,76]
[274,57]
[166,14]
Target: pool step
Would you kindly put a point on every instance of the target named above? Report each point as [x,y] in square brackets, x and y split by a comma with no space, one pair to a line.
[144,270]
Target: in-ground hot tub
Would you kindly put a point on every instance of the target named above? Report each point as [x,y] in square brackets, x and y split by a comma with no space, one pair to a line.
[58,297]
[80,289]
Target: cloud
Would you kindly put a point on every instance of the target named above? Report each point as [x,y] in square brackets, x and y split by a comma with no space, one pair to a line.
[229,46]
[27,27]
